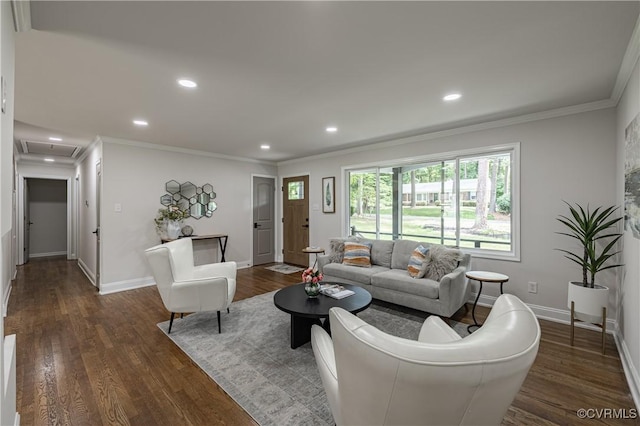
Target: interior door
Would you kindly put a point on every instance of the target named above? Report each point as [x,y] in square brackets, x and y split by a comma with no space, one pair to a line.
[97,231]
[263,220]
[295,216]
[27,220]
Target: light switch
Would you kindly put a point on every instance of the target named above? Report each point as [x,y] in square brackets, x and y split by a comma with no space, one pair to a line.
[118,207]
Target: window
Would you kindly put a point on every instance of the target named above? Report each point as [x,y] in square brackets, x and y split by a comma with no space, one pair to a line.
[296,190]
[463,200]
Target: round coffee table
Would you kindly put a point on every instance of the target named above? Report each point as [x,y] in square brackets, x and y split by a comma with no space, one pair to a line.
[307,311]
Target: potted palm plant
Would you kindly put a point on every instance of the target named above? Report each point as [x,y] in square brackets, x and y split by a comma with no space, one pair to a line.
[596,232]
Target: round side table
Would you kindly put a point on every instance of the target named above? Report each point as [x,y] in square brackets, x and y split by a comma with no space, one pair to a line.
[484,277]
[314,250]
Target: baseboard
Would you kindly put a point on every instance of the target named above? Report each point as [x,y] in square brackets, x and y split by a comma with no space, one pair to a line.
[53,253]
[630,372]
[550,314]
[244,264]
[5,299]
[87,272]
[118,286]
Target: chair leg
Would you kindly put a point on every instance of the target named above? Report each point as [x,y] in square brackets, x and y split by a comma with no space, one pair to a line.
[219,326]
[228,311]
[171,322]
[181,314]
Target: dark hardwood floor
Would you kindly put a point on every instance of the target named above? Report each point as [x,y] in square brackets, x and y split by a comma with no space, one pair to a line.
[87,359]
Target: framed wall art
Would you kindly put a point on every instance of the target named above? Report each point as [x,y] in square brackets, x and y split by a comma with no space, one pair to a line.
[329,195]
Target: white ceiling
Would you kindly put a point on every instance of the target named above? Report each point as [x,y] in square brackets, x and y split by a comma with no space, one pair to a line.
[280,72]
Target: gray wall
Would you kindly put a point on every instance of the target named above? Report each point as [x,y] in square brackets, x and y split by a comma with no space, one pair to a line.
[48,214]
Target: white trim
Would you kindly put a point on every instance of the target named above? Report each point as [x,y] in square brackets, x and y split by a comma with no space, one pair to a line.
[457,129]
[5,299]
[118,286]
[147,145]
[96,141]
[21,15]
[629,60]
[630,372]
[87,272]
[55,253]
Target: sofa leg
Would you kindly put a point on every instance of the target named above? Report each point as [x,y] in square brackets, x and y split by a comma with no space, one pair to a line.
[228,311]
[171,322]
[219,326]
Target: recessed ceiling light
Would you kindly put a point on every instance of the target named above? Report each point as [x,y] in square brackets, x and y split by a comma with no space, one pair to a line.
[140,122]
[452,97]
[49,160]
[184,82]
[265,146]
[331,129]
[53,138]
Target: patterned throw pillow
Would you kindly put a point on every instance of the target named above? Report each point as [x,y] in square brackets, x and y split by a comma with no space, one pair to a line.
[416,260]
[357,254]
[336,250]
[440,261]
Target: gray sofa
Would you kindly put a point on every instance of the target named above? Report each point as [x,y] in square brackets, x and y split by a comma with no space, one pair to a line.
[387,279]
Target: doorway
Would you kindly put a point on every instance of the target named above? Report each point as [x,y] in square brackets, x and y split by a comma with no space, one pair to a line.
[45,217]
[295,216]
[263,220]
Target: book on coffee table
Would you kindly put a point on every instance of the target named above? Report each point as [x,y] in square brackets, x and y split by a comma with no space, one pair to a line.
[335,291]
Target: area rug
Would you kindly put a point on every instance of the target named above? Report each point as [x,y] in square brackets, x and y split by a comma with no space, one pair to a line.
[253,362]
[283,268]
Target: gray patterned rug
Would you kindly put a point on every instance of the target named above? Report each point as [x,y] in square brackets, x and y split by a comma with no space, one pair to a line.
[253,362]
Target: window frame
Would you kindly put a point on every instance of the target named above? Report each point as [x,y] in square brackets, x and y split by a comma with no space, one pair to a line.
[512,148]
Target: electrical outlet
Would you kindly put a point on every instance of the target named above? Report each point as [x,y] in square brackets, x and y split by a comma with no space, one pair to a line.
[533,287]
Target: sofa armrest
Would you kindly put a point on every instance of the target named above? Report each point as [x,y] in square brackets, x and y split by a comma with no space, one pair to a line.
[454,290]
[323,260]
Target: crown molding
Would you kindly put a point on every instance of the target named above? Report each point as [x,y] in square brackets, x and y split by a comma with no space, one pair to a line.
[629,61]
[461,128]
[147,145]
[21,14]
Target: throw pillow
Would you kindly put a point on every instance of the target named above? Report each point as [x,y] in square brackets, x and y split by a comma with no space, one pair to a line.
[440,261]
[416,260]
[357,254]
[336,250]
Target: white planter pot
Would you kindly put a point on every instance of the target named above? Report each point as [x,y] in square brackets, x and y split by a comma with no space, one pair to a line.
[588,302]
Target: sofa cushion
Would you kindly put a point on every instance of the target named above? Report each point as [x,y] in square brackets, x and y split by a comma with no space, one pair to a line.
[381,251]
[351,273]
[400,280]
[416,260]
[439,261]
[402,250]
[357,254]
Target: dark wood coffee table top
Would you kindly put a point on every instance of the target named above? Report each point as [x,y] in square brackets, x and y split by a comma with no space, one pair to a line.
[293,300]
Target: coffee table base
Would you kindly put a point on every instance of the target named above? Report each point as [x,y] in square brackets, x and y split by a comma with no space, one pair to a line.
[301,329]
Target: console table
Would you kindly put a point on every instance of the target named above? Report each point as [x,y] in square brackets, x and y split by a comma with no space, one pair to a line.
[222,241]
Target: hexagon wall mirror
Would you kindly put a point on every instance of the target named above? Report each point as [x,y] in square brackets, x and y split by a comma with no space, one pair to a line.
[195,201]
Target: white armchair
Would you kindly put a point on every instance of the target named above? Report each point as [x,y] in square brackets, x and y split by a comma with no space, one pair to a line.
[184,287]
[373,378]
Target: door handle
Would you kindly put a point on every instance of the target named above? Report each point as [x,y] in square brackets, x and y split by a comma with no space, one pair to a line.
[96,231]
[255,225]
[305,226]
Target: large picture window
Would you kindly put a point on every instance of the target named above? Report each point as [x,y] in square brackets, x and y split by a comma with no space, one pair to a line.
[464,200]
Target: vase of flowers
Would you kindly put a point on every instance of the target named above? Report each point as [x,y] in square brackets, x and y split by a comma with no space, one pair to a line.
[311,279]
[168,222]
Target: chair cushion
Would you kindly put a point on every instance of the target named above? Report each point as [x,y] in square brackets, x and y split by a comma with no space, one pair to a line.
[416,260]
[357,254]
[439,261]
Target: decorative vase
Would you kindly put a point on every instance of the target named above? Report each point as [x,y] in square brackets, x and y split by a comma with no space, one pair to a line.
[312,289]
[588,302]
[173,229]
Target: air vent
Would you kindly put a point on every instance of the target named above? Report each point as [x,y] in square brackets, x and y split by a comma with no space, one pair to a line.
[49,149]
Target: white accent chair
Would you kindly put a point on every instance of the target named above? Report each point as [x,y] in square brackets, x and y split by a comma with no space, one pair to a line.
[184,287]
[373,378]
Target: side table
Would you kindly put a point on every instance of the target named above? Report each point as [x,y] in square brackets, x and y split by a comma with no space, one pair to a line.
[484,277]
[314,250]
